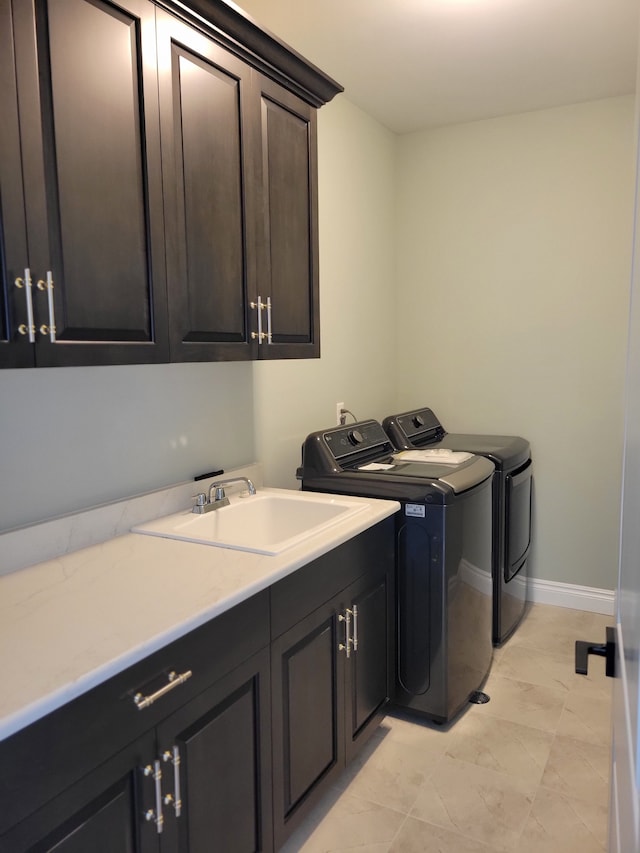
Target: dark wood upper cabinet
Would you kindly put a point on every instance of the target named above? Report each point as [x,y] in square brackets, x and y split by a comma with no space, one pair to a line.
[239,162]
[288,255]
[209,167]
[87,94]
[157,184]
[15,350]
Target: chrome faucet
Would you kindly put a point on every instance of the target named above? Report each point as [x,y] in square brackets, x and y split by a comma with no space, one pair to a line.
[220,499]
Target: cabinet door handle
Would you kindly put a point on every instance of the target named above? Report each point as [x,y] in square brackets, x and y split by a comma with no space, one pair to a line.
[51,328]
[174,757]
[346,646]
[269,341]
[30,328]
[355,628]
[173,682]
[150,815]
[260,335]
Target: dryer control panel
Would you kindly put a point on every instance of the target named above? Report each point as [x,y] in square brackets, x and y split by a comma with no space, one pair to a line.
[414,429]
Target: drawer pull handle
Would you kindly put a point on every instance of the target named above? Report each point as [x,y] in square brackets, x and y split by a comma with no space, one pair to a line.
[174,681]
[355,628]
[176,800]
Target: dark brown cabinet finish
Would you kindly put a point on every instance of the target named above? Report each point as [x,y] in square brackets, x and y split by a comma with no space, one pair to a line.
[90,142]
[288,255]
[277,696]
[239,163]
[211,763]
[368,672]
[210,171]
[308,731]
[15,350]
[157,185]
[101,761]
[102,813]
[223,740]
[331,671]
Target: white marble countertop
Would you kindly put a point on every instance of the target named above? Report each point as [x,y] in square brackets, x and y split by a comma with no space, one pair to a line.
[71,622]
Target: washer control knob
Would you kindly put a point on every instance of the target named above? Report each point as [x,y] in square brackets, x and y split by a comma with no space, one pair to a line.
[355,436]
[418,421]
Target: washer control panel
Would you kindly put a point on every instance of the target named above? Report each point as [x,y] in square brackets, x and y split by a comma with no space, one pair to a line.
[359,438]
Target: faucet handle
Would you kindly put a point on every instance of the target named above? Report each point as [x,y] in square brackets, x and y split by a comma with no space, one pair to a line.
[201,499]
[220,493]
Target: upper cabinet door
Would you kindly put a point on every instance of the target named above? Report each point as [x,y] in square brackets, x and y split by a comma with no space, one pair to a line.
[209,149]
[288,258]
[16,350]
[87,92]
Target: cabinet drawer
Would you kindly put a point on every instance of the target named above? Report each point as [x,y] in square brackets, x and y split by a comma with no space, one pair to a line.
[295,596]
[52,753]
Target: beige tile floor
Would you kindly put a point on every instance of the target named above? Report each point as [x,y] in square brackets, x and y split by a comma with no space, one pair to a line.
[526,773]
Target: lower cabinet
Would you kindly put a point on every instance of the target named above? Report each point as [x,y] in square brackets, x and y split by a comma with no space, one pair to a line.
[369,671]
[100,813]
[331,677]
[172,754]
[200,781]
[225,739]
[308,716]
[217,756]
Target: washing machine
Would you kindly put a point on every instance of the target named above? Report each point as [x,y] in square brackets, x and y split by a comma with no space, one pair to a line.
[443,557]
[511,504]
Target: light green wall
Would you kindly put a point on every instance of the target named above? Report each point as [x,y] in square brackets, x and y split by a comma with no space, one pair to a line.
[78,436]
[514,241]
[357,307]
[526,217]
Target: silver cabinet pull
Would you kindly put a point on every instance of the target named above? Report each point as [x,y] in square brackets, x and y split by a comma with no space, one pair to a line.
[30,328]
[175,800]
[355,628]
[173,682]
[269,341]
[51,328]
[259,335]
[155,815]
[346,646]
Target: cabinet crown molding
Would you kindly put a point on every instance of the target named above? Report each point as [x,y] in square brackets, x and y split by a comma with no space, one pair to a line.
[240,32]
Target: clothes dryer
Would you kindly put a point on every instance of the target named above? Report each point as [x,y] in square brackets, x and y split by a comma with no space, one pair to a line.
[511,503]
[443,557]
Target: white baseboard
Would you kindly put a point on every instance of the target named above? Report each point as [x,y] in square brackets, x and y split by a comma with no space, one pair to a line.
[572,596]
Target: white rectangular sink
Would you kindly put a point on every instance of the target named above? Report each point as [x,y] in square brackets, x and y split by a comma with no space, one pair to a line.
[263,523]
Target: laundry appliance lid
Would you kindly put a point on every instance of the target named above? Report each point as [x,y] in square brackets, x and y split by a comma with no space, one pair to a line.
[360,459]
[420,428]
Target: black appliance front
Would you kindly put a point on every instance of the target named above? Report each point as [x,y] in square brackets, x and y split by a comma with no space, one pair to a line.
[511,516]
[443,559]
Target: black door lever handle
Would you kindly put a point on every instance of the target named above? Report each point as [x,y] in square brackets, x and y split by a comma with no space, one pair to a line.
[606,650]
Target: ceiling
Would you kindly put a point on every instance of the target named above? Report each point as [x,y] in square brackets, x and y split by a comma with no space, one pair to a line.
[415,64]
